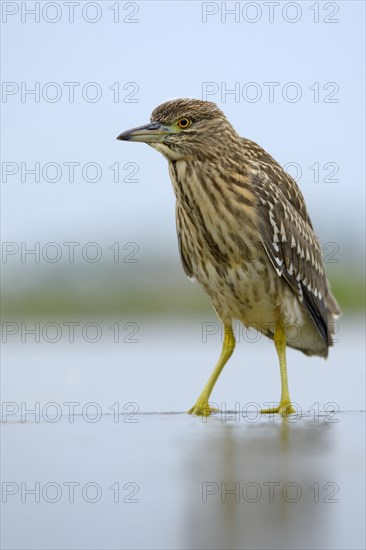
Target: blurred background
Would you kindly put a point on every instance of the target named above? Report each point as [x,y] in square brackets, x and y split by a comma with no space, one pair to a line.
[93,80]
[95,303]
[88,223]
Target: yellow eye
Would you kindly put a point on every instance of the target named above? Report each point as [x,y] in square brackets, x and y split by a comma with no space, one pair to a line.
[184,122]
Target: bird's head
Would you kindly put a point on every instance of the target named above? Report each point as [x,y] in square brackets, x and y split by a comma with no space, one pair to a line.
[185,129]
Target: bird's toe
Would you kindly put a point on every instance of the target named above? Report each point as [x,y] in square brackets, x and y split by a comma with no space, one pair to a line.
[284,409]
[202,408]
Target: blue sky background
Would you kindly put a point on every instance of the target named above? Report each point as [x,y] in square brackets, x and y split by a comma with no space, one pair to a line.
[169,53]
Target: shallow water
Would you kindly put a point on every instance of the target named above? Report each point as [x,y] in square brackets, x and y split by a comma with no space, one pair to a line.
[97,466]
[175,481]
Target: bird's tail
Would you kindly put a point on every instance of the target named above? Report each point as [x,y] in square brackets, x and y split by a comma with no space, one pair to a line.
[334,312]
[333,308]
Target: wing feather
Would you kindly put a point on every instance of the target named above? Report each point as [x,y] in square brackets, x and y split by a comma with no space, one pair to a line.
[293,249]
[276,173]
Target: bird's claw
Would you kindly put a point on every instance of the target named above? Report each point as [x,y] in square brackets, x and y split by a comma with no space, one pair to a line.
[284,409]
[202,408]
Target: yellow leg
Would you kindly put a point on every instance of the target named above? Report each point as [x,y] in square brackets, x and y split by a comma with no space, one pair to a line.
[202,407]
[285,407]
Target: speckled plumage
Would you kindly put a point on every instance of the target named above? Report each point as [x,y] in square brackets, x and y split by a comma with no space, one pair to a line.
[244,234]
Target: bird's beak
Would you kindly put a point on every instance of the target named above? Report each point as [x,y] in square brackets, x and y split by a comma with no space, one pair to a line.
[149,133]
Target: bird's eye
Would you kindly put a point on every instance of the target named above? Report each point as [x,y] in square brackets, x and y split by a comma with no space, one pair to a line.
[184,122]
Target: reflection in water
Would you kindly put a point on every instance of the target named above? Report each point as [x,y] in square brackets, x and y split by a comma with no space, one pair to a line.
[260,485]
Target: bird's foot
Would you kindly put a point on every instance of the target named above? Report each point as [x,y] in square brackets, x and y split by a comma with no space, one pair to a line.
[202,408]
[284,409]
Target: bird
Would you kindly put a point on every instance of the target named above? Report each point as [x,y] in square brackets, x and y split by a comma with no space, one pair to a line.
[244,233]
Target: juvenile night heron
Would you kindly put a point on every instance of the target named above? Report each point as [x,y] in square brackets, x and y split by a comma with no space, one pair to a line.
[244,233]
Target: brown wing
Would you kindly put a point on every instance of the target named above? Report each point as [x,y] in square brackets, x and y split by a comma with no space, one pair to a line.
[292,247]
[276,173]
